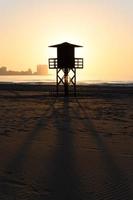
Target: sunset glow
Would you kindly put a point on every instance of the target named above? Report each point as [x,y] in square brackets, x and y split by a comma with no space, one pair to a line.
[104,28]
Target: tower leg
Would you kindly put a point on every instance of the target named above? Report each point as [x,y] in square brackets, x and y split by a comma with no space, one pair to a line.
[57,89]
[73,81]
[74,84]
[66,82]
[58,81]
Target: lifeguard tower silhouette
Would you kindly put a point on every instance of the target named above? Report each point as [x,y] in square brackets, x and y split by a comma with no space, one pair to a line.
[65,65]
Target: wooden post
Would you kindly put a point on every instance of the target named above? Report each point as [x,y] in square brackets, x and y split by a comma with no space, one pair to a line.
[66,82]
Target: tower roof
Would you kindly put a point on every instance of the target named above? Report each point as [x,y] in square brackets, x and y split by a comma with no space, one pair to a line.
[65,44]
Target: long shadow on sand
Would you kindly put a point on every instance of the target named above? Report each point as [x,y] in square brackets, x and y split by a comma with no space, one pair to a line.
[64,181]
[14,168]
[118,187]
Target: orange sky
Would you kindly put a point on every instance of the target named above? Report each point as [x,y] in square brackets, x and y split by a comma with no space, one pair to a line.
[104,29]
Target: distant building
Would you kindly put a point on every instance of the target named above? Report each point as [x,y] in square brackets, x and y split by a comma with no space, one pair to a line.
[29,71]
[3,70]
[42,70]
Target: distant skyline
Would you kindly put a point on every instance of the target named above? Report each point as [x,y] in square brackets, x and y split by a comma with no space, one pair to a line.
[103,27]
[40,70]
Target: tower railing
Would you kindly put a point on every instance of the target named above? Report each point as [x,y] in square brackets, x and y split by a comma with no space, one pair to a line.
[53,63]
[78,63]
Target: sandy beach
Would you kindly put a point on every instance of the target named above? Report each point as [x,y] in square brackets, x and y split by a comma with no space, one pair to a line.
[66,148]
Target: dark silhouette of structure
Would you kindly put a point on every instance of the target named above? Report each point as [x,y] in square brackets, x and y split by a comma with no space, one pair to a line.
[66,63]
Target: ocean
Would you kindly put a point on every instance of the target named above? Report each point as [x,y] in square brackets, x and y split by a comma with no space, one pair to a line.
[50,79]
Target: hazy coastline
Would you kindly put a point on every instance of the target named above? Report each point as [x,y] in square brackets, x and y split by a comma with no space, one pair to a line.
[50,80]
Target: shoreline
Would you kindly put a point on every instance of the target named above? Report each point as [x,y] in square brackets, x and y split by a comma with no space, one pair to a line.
[31,85]
[92,90]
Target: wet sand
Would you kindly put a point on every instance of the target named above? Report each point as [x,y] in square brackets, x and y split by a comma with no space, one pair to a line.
[65,148]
